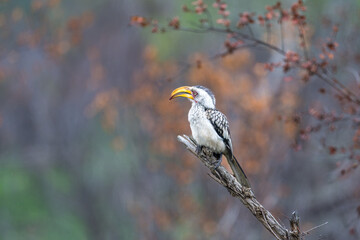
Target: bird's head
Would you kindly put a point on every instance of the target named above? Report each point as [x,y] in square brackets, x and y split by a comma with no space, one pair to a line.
[196,94]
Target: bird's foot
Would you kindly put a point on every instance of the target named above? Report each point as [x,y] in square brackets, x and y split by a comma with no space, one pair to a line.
[199,149]
[216,164]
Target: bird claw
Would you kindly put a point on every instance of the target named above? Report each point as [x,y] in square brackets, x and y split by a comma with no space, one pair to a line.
[216,164]
[198,149]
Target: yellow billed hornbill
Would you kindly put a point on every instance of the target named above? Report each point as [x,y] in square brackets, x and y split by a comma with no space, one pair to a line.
[209,126]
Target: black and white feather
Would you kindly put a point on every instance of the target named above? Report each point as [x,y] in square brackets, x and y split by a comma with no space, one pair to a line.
[210,128]
[220,124]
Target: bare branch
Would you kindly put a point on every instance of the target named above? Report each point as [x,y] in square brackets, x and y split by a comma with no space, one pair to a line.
[341,88]
[245,195]
[268,33]
[282,35]
[303,41]
[312,229]
[250,30]
[186,66]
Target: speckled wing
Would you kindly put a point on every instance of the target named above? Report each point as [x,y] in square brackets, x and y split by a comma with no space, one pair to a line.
[220,124]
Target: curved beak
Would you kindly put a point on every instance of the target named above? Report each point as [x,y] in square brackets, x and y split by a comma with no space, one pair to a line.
[182,92]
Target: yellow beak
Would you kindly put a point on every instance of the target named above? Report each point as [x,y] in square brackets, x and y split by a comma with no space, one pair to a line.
[182,92]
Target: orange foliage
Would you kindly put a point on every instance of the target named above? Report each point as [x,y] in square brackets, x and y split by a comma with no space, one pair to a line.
[105,102]
[242,93]
[162,218]
[246,94]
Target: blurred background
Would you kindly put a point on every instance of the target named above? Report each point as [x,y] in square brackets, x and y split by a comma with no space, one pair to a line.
[88,144]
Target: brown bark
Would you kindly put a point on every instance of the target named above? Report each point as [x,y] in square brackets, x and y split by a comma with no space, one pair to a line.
[245,195]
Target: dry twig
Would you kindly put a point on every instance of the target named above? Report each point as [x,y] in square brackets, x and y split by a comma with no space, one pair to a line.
[245,195]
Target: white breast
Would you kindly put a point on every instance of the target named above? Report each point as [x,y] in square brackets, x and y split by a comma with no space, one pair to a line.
[203,131]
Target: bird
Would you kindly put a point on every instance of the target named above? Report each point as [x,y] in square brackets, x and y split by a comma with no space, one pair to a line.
[210,127]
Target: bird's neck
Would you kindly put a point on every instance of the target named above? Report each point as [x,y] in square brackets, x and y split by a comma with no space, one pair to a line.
[202,106]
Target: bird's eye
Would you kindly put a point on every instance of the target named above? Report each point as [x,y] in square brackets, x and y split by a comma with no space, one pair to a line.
[194,93]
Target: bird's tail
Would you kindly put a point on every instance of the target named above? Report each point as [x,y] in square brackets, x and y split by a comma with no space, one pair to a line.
[238,172]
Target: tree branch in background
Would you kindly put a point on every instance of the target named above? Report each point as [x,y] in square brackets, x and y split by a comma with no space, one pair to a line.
[237,39]
[245,195]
